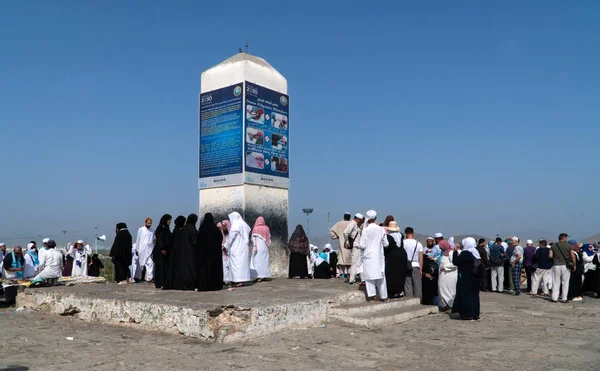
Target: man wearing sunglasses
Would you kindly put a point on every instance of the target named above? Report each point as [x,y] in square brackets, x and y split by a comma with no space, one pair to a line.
[13,264]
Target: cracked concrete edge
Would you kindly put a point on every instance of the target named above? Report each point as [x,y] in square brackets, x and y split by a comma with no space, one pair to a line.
[224,324]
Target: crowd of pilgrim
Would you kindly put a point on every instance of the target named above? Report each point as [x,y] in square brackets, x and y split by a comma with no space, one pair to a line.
[390,264]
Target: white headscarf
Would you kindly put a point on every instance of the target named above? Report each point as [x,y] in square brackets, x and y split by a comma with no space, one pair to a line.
[451,242]
[470,245]
[239,225]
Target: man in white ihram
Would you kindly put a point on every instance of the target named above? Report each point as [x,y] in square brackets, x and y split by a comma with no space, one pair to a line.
[372,242]
[144,246]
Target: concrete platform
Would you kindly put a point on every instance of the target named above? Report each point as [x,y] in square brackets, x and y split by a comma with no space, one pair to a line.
[224,316]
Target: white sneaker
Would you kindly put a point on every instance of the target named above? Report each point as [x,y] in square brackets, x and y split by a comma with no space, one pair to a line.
[579,298]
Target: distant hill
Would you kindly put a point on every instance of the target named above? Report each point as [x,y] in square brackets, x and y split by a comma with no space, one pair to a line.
[595,238]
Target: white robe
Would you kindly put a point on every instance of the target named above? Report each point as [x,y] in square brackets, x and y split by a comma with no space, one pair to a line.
[29,269]
[226,267]
[447,281]
[144,244]
[372,242]
[81,257]
[51,265]
[239,261]
[259,264]
[134,269]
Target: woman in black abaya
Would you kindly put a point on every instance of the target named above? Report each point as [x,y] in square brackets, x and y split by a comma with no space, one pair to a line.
[180,264]
[299,250]
[162,238]
[121,253]
[395,262]
[209,259]
[466,302]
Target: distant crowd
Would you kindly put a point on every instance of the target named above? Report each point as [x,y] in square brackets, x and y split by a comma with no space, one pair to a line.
[388,263]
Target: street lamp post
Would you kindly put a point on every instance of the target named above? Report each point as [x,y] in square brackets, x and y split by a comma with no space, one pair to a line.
[308,212]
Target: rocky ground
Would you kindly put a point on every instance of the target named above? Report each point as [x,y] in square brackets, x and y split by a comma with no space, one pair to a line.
[520,333]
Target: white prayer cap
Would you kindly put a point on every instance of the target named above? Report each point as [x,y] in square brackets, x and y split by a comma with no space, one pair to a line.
[515,238]
[430,238]
[80,241]
[359,216]
[347,213]
[2,244]
[438,235]
[529,242]
[371,214]
[45,240]
[30,245]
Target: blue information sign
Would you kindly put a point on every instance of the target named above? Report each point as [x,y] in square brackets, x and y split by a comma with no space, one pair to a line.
[221,137]
[266,136]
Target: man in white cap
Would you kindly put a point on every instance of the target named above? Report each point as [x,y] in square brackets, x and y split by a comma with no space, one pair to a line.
[352,236]
[51,263]
[516,263]
[337,233]
[438,237]
[372,242]
[79,251]
[44,248]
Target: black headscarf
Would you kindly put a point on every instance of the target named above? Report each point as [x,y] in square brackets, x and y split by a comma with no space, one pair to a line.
[299,242]
[121,248]
[180,221]
[192,219]
[190,229]
[164,219]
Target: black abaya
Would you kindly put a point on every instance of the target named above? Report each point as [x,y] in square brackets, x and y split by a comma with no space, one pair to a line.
[429,285]
[180,272]
[466,301]
[163,242]
[395,268]
[322,271]
[333,262]
[299,248]
[121,253]
[209,260]
[575,282]
[298,267]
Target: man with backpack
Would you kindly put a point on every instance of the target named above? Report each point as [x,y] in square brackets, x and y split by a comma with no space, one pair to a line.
[497,265]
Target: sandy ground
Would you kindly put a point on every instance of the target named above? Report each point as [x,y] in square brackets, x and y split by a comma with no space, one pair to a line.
[519,333]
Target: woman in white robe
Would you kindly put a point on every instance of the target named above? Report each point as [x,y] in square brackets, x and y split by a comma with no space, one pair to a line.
[260,267]
[237,245]
[447,278]
[80,252]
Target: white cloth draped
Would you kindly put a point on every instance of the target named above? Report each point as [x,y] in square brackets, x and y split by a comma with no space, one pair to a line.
[226,268]
[239,261]
[29,269]
[372,242]
[259,264]
[470,245]
[447,281]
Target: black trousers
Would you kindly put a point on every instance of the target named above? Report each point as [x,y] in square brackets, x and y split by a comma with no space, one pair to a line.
[529,271]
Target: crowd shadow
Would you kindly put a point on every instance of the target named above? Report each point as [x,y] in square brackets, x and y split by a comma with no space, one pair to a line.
[14,368]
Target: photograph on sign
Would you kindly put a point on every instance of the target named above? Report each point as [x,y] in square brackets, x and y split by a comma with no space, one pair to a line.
[278,142]
[280,121]
[279,164]
[255,160]
[255,136]
[255,114]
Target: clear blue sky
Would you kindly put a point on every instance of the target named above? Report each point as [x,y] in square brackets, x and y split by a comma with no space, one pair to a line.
[459,117]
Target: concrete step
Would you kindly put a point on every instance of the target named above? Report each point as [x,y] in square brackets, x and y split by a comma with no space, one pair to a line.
[385,317]
[362,307]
